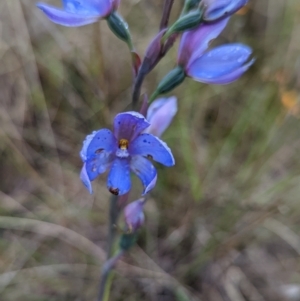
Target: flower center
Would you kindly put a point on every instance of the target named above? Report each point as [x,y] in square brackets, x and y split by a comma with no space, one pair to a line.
[123,144]
[122,152]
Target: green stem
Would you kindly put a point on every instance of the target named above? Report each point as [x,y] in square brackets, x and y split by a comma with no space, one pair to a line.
[106,275]
[108,286]
[117,203]
[113,218]
[137,89]
[105,285]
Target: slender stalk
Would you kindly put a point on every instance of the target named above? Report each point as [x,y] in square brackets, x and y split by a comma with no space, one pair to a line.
[137,88]
[105,281]
[166,14]
[144,71]
[113,217]
[116,206]
[107,276]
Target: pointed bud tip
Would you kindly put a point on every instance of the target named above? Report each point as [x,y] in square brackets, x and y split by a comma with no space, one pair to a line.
[134,215]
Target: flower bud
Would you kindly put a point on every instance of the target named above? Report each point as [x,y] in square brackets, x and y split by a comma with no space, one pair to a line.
[186,22]
[160,115]
[153,52]
[174,78]
[189,4]
[134,215]
[120,28]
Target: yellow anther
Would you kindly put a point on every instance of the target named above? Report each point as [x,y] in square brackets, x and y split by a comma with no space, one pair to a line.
[123,144]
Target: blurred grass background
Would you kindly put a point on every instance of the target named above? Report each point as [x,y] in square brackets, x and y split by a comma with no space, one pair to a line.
[223,224]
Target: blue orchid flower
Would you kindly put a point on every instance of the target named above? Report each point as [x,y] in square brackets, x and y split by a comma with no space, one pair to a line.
[121,151]
[220,65]
[79,12]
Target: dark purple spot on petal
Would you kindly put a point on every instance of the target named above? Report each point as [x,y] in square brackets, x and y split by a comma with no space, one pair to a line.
[114,191]
[149,157]
[98,151]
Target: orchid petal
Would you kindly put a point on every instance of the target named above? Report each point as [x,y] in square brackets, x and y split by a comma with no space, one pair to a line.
[160,114]
[88,7]
[95,165]
[145,170]
[219,62]
[217,9]
[98,164]
[194,42]
[97,142]
[66,18]
[118,181]
[129,125]
[150,146]
[85,179]
[230,77]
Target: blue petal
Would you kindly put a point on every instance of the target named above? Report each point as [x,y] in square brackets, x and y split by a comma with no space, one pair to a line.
[219,62]
[86,143]
[194,42]
[85,179]
[88,7]
[97,164]
[129,125]
[230,77]
[144,169]
[118,181]
[65,18]
[160,114]
[97,142]
[150,146]
[217,9]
